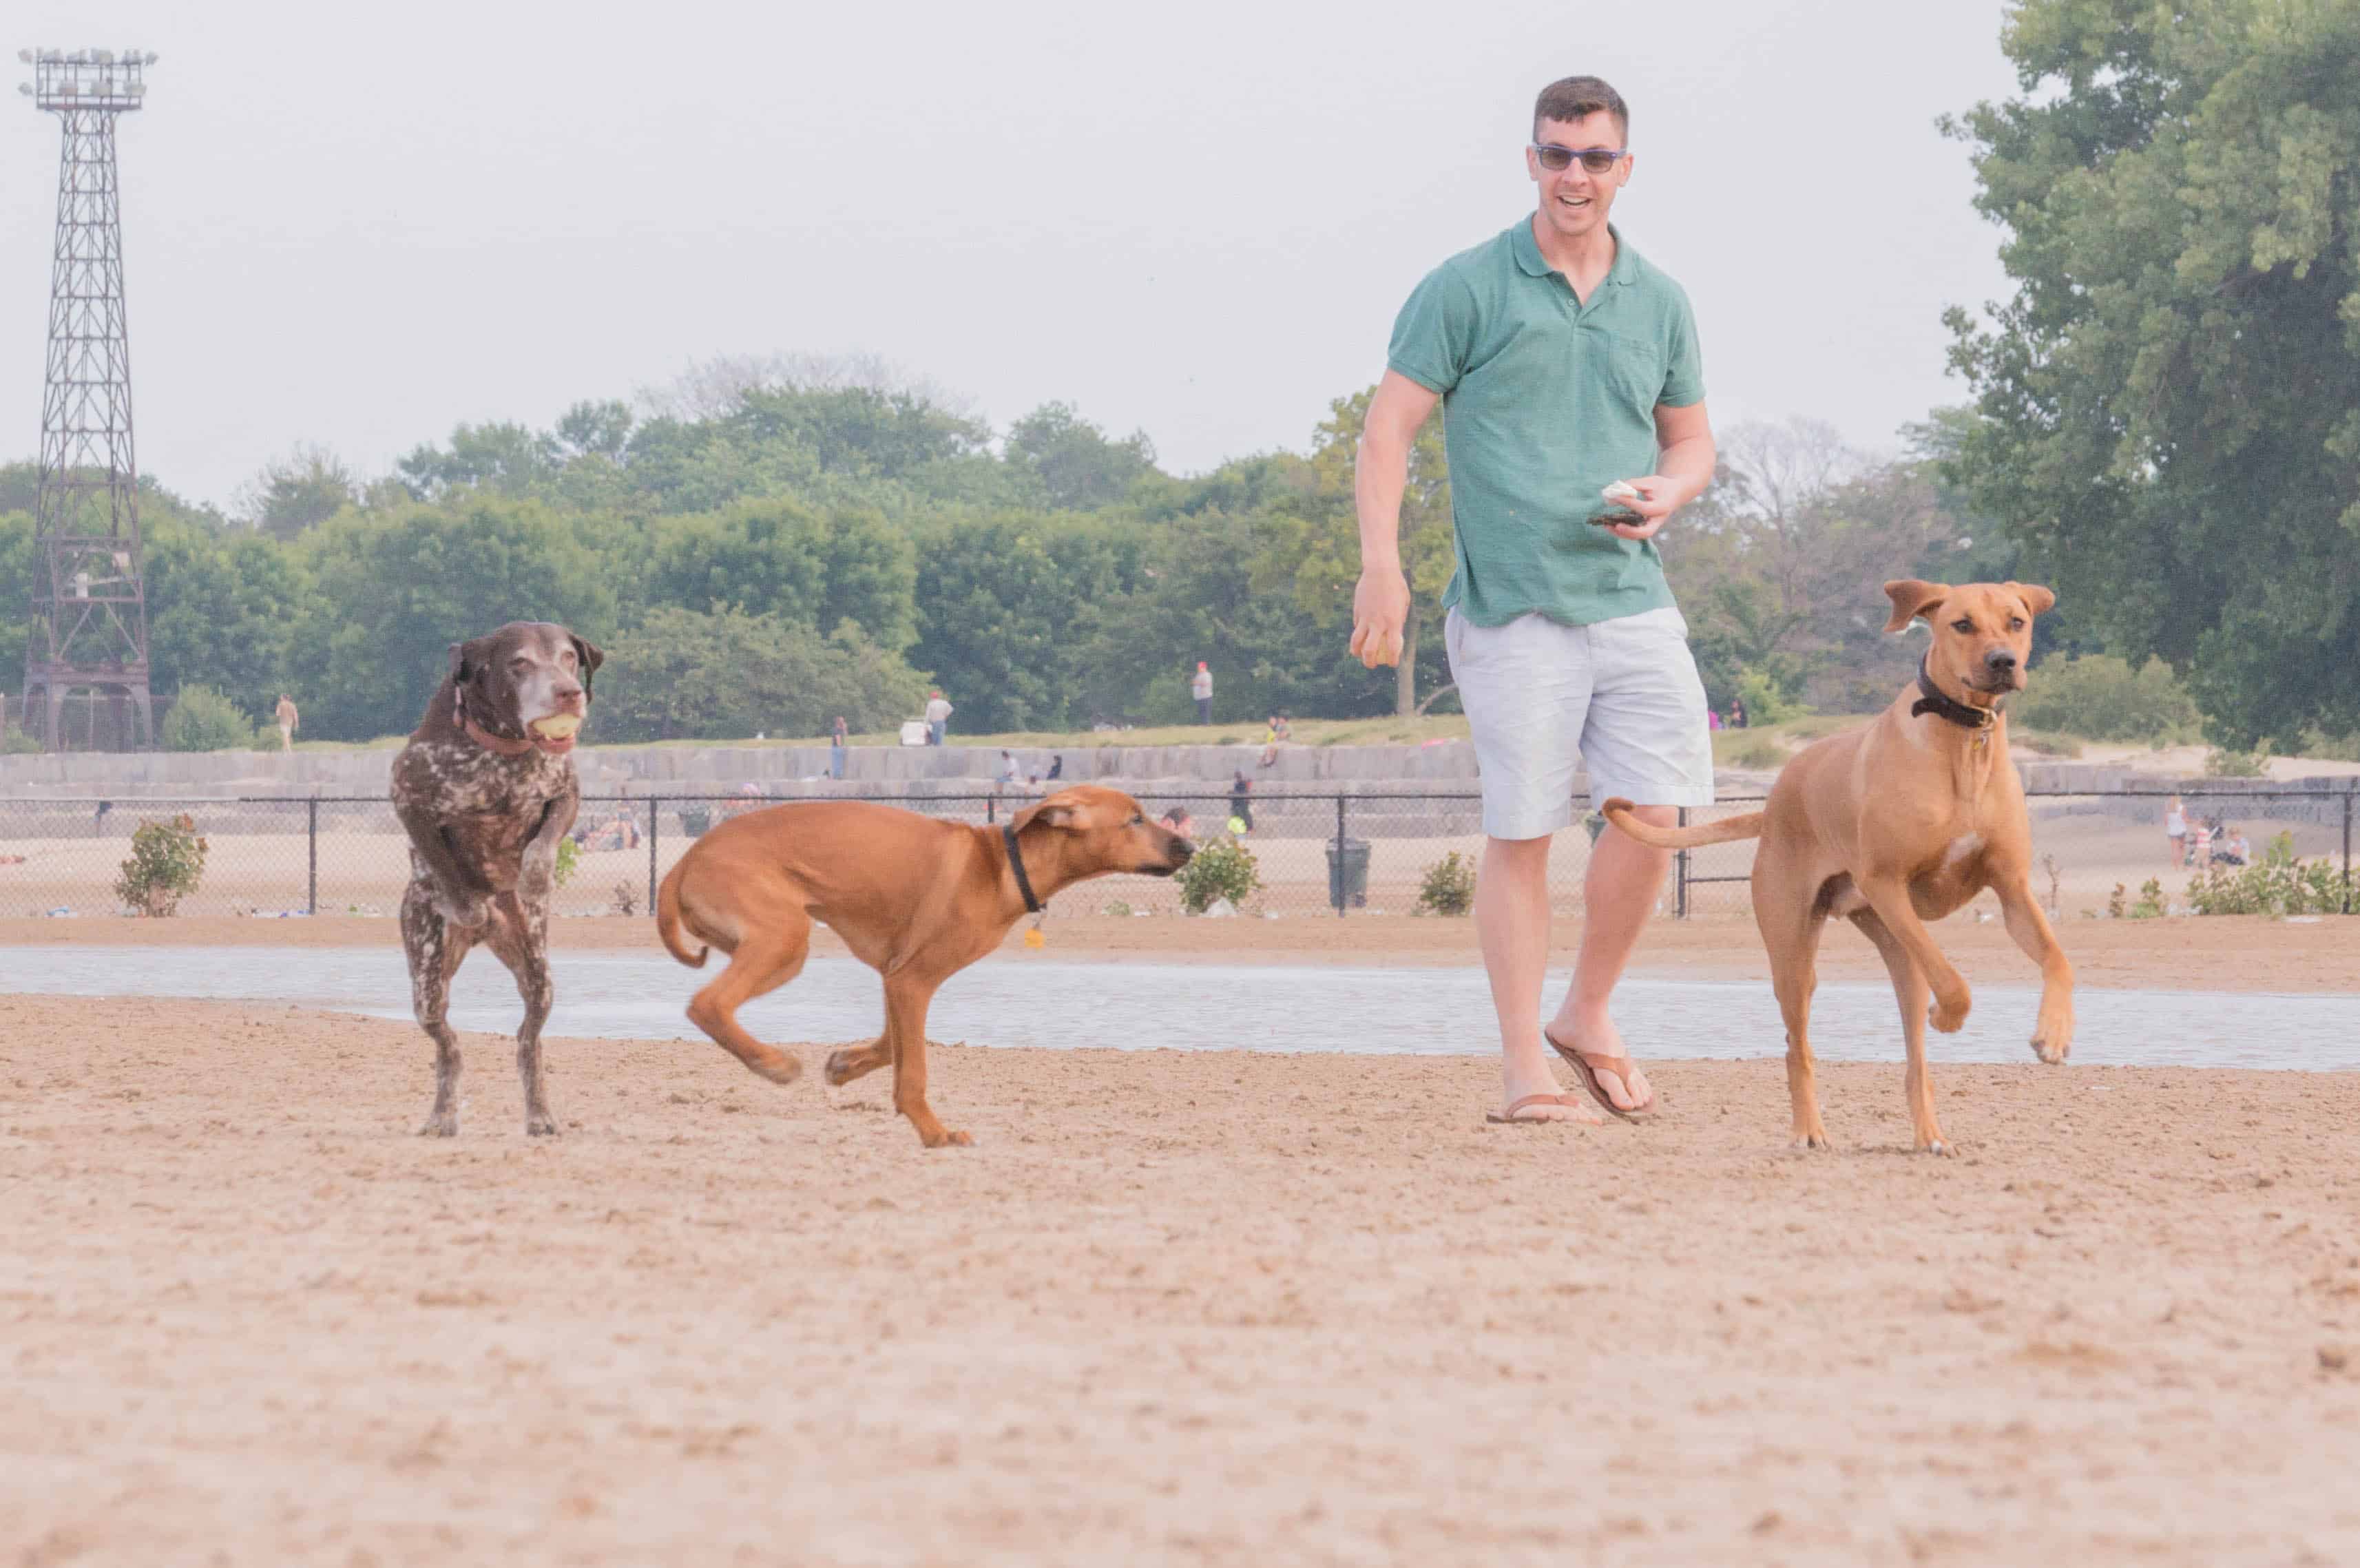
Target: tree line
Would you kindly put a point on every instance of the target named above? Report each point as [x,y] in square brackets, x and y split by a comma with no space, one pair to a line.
[2164,424]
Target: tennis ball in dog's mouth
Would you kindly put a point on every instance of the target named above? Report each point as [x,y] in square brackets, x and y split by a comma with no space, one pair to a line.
[557,726]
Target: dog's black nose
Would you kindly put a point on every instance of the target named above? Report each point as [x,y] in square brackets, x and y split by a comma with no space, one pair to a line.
[2001,659]
[1182,851]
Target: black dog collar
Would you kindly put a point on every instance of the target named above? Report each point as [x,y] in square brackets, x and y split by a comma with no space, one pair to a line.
[1941,706]
[1016,864]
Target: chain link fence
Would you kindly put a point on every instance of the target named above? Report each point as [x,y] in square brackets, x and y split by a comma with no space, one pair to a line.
[1332,854]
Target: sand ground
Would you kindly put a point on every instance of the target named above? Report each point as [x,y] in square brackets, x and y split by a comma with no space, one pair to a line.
[1174,1307]
[2217,953]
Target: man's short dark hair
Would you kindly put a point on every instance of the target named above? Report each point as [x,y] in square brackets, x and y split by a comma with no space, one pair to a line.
[1576,97]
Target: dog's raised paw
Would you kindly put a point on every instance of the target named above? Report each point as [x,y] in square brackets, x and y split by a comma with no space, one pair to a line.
[1946,1020]
[778,1067]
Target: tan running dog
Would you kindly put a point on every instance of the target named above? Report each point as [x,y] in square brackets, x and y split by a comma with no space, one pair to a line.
[1897,824]
[914,898]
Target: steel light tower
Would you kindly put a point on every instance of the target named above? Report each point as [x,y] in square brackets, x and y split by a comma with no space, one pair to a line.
[89,609]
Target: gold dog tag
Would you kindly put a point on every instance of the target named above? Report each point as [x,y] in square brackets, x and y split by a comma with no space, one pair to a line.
[1034,938]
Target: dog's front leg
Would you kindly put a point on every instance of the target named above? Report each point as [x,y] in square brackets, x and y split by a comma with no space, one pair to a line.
[455,893]
[1889,897]
[2052,1034]
[906,1000]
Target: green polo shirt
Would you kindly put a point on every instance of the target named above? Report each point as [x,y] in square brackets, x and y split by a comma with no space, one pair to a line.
[1546,401]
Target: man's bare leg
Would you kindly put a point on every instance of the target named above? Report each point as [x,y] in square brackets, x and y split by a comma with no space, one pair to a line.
[1618,895]
[1512,923]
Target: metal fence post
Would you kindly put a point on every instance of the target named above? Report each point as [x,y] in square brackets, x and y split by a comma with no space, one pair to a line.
[312,837]
[1680,861]
[654,803]
[1341,878]
[2347,852]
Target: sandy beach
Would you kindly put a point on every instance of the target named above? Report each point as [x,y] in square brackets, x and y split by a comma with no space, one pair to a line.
[1187,1308]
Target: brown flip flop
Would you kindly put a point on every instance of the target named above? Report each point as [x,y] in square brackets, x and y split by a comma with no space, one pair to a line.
[1589,1077]
[1510,1118]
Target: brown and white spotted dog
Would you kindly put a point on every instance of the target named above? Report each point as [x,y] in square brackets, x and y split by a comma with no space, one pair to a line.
[485,787]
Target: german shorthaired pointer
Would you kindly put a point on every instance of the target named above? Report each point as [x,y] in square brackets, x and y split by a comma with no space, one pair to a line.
[486,789]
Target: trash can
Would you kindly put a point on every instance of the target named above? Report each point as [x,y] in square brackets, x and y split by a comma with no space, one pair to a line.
[694,821]
[1347,873]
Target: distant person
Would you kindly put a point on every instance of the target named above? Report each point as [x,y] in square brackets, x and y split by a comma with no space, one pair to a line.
[1178,819]
[2234,850]
[1713,718]
[2200,846]
[1241,801]
[1201,688]
[1737,713]
[2175,830]
[288,722]
[837,741]
[1058,767]
[1007,774]
[938,719]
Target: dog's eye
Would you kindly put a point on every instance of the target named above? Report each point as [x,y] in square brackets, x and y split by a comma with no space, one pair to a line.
[1962,625]
[2017,625]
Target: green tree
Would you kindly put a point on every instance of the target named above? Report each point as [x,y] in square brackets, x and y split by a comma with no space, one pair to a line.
[777,556]
[1006,602]
[510,458]
[226,608]
[2171,401]
[308,486]
[723,675]
[396,589]
[1314,545]
[1078,468]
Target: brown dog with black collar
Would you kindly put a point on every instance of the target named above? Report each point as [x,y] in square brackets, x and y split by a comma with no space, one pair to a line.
[915,897]
[1901,824]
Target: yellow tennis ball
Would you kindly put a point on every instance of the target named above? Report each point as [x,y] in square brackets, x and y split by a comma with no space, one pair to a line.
[557,726]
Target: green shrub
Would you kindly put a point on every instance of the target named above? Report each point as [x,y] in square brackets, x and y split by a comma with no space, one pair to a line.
[202,719]
[2150,900]
[2222,762]
[569,858]
[2278,884]
[2101,697]
[168,860]
[1765,701]
[1221,869]
[15,742]
[1448,887]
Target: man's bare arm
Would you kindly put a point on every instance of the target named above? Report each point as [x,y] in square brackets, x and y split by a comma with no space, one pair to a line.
[1381,600]
[1684,461]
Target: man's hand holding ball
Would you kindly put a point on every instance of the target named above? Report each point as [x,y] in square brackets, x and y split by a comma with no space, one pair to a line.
[1648,498]
[1380,610]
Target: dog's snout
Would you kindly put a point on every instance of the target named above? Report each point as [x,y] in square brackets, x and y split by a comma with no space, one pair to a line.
[1182,851]
[2001,658]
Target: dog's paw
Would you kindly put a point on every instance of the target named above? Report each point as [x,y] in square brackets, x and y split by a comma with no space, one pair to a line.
[542,1126]
[1935,1145]
[1950,1016]
[947,1138]
[1803,1141]
[440,1127]
[778,1066]
[2053,1041]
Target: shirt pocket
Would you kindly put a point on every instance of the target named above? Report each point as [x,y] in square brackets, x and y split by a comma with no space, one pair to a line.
[1636,369]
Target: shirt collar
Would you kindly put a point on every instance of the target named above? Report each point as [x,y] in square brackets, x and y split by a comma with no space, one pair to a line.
[1534,265]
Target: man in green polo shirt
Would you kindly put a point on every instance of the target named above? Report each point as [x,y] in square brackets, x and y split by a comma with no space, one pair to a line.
[1573,421]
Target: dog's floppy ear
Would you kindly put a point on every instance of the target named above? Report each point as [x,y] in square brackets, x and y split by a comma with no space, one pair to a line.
[589,660]
[1912,599]
[1063,809]
[2036,599]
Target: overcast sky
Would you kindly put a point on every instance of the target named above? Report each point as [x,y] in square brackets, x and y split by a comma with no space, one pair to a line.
[359,225]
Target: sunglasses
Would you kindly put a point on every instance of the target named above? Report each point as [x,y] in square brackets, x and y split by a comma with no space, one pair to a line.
[1597,161]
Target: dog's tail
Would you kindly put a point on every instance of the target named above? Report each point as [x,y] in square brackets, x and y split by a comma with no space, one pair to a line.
[1726,831]
[668,919]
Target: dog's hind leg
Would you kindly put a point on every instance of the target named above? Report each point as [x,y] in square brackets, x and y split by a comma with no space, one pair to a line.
[522,944]
[1910,990]
[2052,1036]
[1786,911]
[906,1000]
[434,947]
[765,958]
[844,1066]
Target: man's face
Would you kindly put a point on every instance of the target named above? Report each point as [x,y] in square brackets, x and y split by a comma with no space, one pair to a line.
[1574,202]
